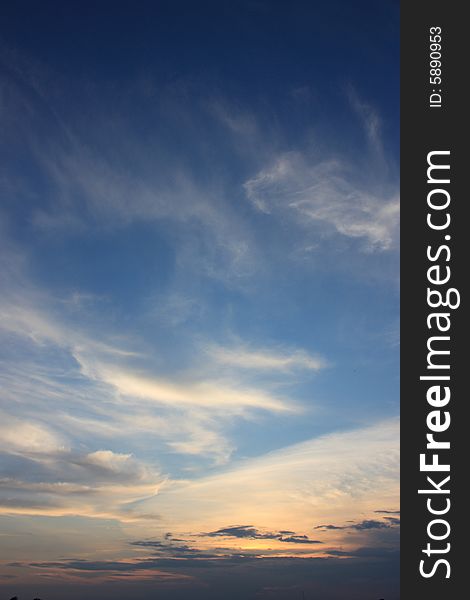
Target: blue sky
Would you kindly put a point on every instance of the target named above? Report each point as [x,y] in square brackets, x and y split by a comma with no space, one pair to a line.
[199,316]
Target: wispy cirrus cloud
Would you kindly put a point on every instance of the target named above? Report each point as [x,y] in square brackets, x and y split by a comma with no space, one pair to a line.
[130,180]
[209,395]
[327,193]
[246,357]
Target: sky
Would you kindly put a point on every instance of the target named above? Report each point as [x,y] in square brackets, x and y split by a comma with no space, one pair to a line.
[199,227]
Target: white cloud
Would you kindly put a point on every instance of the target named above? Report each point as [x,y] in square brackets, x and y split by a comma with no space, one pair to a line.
[328,192]
[108,460]
[244,357]
[19,435]
[211,395]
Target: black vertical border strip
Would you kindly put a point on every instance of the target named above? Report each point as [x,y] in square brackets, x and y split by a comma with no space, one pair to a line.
[425,129]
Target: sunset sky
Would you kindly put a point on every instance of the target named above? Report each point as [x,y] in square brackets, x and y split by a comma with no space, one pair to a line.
[199,308]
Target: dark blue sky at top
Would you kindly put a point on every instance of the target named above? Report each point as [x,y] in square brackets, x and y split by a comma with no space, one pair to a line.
[261,48]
